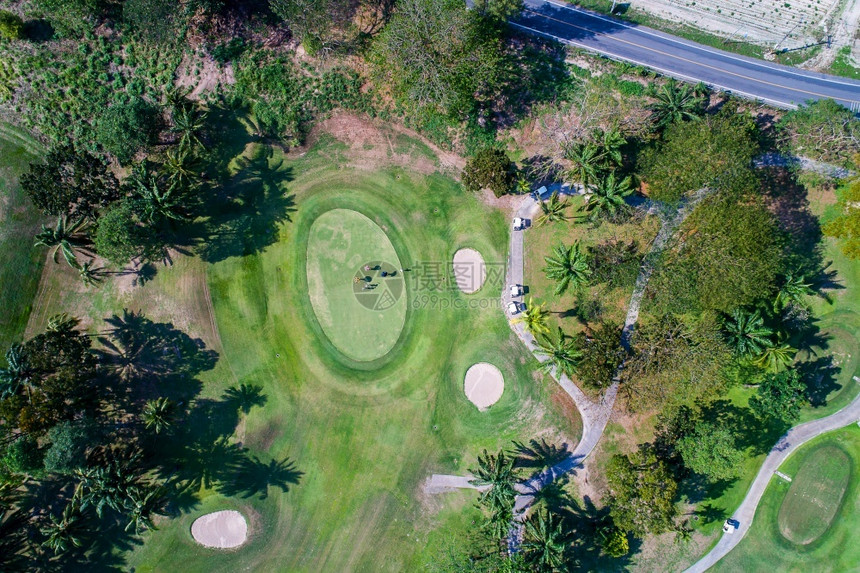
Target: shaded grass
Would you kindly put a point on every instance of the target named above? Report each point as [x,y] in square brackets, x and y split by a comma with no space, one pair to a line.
[20,262]
[764,548]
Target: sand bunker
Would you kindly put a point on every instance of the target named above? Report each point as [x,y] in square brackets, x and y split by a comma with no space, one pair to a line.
[222,529]
[484,385]
[470,272]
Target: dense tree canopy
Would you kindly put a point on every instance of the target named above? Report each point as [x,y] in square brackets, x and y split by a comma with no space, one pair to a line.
[727,254]
[711,450]
[641,493]
[780,396]
[601,355]
[126,128]
[711,152]
[489,168]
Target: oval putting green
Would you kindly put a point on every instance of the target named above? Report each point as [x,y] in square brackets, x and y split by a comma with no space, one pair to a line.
[815,494]
[355,285]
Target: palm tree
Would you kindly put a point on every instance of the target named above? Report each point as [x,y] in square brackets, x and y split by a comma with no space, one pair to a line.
[141,504]
[610,142]
[562,353]
[675,103]
[568,267]
[552,210]
[586,162]
[64,237]
[498,523]
[89,274]
[182,167]
[776,358]
[157,201]
[17,373]
[188,122]
[746,332]
[545,541]
[62,533]
[61,323]
[607,198]
[534,318]
[499,474]
[523,185]
[158,414]
[793,291]
[108,485]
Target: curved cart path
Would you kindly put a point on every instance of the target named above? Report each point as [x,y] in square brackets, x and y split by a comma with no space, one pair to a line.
[792,440]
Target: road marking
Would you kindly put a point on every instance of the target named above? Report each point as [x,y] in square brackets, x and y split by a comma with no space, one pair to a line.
[687,60]
[700,47]
[783,476]
[664,71]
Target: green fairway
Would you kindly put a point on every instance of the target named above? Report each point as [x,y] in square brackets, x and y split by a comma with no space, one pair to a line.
[815,495]
[364,434]
[819,471]
[20,262]
[361,312]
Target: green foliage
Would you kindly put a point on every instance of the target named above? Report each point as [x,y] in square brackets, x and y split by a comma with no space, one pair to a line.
[499,10]
[71,16]
[602,354]
[727,254]
[546,541]
[497,472]
[746,332]
[846,226]
[711,450]
[119,236]
[613,541]
[641,493]
[675,359]
[614,262]
[229,51]
[534,318]
[11,26]
[23,456]
[607,199]
[156,21]
[821,129]
[568,267]
[311,21]
[489,168]
[552,210]
[561,353]
[714,152]
[780,397]
[285,100]
[77,184]
[123,129]
[70,441]
[676,103]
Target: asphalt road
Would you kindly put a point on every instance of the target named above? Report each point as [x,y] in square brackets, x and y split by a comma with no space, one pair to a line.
[795,438]
[778,85]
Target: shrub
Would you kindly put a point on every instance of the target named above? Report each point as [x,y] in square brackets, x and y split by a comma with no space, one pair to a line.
[489,168]
[23,456]
[119,238]
[11,26]
[126,128]
[69,443]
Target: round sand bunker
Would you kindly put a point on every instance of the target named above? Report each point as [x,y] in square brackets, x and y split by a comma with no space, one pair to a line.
[484,385]
[470,272]
[222,529]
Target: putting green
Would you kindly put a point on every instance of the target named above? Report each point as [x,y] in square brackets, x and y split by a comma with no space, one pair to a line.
[361,311]
[815,494]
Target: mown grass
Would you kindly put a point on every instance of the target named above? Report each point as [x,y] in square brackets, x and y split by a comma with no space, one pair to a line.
[765,548]
[20,261]
[364,435]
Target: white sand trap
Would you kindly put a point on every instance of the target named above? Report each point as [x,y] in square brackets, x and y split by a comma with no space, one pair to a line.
[470,272]
[222,529]
[484,385]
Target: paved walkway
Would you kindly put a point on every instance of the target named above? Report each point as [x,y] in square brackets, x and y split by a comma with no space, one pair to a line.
[795,438]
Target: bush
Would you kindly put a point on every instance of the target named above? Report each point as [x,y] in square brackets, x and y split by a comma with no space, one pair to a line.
[11,26]
[119,237]
[126,128]
[602,354]
[822,129]
[23,456]
[154,20]
[614,262]
[489,168]
[69,444]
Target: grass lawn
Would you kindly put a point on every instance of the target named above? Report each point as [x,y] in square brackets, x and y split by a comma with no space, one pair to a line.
[362,322]
[540,241]
[815,471]
[363,434]
[20,262]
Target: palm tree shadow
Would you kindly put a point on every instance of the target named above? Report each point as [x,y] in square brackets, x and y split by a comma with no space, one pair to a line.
[244,397]
[251,476]
[253,206]
[539,454]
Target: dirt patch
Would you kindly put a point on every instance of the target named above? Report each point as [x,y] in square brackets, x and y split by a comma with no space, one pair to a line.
[209,77]
[484,385]
[374,145]
[221,530]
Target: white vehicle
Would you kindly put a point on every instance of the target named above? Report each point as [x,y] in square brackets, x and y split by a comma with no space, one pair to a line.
[519,224]
[516,290]
[731,525]
[513,308]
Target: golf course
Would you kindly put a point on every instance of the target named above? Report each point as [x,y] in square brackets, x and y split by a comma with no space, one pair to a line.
[362,404]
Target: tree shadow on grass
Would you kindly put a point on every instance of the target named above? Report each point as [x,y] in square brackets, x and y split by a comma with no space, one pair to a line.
[750,432]
[820,375]
[251,476]
[247,216]
[244,397]
[539,454]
